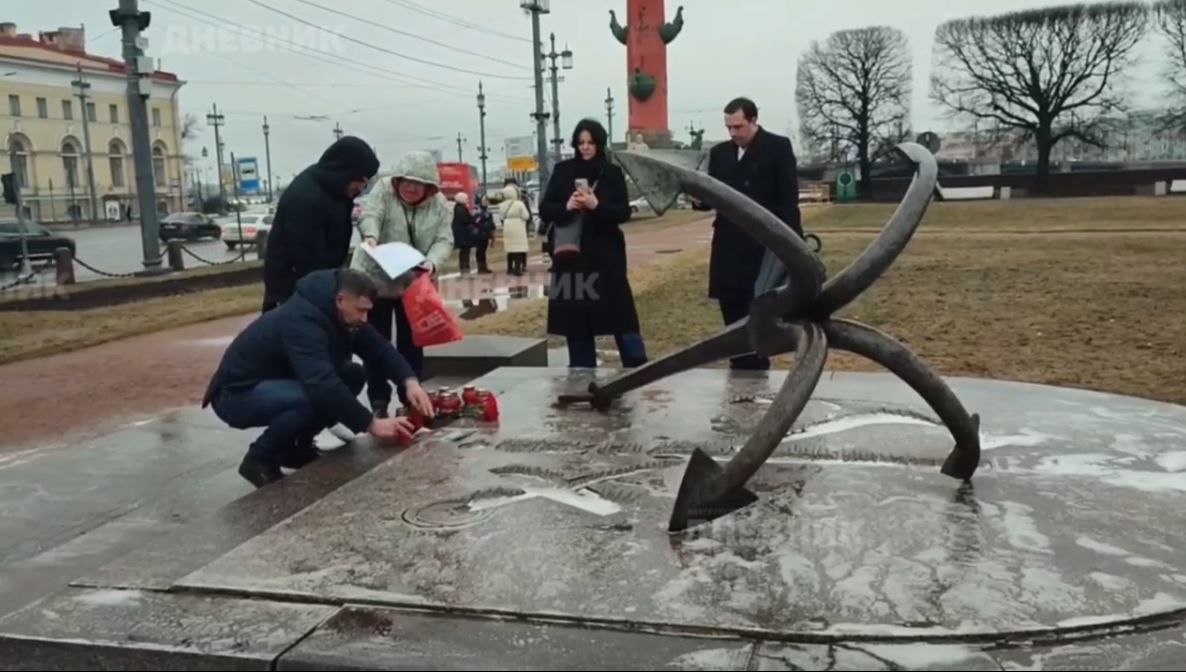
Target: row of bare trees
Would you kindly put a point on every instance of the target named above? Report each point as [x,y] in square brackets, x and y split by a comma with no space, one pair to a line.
[1051,73]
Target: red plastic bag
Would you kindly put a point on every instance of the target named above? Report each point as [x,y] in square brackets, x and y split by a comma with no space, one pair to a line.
[432,323]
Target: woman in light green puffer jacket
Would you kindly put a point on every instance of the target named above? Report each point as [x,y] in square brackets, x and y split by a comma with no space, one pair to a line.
[406,207]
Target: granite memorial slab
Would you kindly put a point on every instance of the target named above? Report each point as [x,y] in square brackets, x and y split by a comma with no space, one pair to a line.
[559,513]
[386,639]
[143,630]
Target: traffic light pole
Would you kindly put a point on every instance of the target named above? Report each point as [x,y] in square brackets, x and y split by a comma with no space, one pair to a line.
[132,21]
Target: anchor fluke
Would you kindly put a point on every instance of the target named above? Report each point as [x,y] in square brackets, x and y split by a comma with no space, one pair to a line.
[963,460]
[699,501]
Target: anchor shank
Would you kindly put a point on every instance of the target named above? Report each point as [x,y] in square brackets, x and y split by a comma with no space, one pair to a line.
[810,357]
[709,491]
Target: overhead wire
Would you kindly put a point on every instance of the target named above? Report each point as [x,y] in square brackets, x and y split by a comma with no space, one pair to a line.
[457,21]
[331,58]
[407,33]
[247,82]
[385,50]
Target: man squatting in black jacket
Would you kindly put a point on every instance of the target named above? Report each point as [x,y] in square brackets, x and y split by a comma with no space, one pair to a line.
[761,165]
[291,371]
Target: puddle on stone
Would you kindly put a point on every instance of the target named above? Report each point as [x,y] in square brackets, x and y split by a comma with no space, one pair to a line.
[474,297]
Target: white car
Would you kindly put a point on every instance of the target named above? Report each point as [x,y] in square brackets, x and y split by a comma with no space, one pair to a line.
[640,204]
[251,224]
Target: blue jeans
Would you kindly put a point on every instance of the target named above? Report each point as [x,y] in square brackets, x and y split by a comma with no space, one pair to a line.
[281,406]
[582,352]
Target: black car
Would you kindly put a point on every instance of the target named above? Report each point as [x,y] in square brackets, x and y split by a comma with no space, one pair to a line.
[41,241]
[189,226]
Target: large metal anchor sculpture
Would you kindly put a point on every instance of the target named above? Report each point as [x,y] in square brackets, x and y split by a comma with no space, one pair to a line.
[792,311]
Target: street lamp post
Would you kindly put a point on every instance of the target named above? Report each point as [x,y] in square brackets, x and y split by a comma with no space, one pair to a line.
[536,8]
[566,62]
[268,154]
[482,132]
[609,113]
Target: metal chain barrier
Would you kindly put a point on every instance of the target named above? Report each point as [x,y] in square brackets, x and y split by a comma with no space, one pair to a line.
[195,255]
[38,270]
[105,274]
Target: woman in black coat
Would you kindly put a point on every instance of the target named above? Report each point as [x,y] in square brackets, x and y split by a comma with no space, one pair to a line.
[590,294]
[467,234]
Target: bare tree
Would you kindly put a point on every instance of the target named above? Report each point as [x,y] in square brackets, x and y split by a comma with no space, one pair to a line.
[1171,22]
[1050,73]
[853,91]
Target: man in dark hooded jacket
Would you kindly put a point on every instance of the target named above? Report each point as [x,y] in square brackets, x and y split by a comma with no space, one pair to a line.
[312,225]
[291,371]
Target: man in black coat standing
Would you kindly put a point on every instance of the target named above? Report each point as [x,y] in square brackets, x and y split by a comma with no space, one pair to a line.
[761,165]
[291,371]
[312,225]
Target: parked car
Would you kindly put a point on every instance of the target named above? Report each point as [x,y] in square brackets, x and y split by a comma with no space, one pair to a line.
[41,241]
[251,225]
[640,205]
[189,226]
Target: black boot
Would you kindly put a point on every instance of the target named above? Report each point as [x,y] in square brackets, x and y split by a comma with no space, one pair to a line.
[258,472]
[380,409]
[302,454]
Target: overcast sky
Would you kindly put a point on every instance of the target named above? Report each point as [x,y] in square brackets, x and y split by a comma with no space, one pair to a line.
[743,47]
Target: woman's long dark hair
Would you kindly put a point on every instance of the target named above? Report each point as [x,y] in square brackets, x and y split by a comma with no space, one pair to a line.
[596,131]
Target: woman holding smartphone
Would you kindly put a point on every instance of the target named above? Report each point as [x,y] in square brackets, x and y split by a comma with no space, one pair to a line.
[586,202]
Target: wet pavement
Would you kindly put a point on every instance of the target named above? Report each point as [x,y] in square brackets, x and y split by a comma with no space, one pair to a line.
[1062,554]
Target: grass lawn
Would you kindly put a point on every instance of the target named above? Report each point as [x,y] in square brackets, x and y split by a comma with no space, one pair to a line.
[1090,296]
[28,334]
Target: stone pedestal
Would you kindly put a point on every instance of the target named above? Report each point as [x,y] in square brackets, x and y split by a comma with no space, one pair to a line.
[542,541]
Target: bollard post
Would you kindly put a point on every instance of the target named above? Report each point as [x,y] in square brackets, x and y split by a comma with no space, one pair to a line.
[176,260]
[64,266]
[261,245]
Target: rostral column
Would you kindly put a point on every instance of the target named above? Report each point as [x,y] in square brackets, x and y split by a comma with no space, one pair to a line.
[646,36]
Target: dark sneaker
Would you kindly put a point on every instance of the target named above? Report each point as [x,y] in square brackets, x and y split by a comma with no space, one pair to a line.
[381,411]
[259,473]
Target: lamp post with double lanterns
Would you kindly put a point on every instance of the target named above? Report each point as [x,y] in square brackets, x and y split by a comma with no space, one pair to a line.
[482,132]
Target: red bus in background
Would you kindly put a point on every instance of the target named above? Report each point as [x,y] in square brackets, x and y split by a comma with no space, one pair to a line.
[459,177]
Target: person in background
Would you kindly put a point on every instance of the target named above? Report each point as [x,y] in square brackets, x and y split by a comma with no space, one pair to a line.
[312,227]
[515,220]
[291,371]
[484,221]
[408,208]
[761,165]
[590,294]
[466,234]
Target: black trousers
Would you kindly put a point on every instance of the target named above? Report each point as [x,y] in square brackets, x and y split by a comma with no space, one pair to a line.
[735,307]
[516,263]
[480,253]
[378,387]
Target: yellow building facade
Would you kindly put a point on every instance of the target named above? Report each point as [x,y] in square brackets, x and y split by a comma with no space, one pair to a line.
[42,115]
